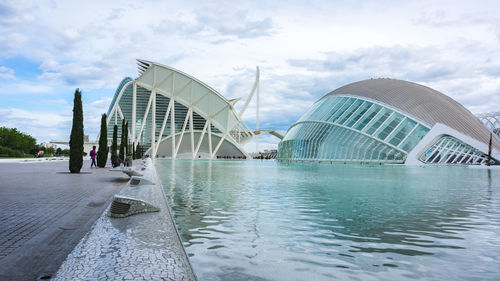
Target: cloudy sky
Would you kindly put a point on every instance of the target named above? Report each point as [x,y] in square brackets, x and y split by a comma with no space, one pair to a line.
[304,49]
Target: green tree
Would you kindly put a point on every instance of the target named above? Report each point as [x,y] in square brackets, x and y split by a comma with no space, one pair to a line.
[127,144]
[49,151]
[138,152]
[13,139]
[65,152]
[114,145]
[102,152]
[76,138]
[122,141]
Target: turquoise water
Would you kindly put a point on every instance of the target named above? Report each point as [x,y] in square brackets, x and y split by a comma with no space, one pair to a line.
[264,220]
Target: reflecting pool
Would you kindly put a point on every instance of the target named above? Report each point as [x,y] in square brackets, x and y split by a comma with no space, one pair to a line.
[265,220]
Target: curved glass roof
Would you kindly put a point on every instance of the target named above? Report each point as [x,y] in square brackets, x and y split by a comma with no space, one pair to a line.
[420,101]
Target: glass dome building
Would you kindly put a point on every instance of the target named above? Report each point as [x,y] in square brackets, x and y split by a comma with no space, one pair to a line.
[388,121]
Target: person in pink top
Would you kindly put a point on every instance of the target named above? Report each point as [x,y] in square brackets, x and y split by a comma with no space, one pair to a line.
[93,155]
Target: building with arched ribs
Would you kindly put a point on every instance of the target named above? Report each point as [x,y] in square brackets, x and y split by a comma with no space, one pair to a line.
[388,121]
[172,114]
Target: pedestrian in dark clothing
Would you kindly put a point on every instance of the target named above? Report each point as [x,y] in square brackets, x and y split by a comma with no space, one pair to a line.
[93,155]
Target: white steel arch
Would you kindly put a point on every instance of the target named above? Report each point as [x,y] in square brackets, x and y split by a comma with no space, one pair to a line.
[491,120]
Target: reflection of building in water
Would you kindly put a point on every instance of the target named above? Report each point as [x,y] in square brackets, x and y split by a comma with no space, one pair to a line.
[388,121]
[267,154]
[172,114]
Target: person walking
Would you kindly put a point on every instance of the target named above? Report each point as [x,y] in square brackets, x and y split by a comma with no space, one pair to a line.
[93,155]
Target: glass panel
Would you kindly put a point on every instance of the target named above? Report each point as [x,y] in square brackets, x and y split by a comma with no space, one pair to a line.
[322,109]
[368,116]
[341,110]
[389,125]
[310,111]
[379,119]
[355,117]
[318,141]
[402,131]
[339,102]
[414,138]
[350,111]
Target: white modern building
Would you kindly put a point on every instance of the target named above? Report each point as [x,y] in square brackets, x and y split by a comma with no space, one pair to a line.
[388,121]
[172,114]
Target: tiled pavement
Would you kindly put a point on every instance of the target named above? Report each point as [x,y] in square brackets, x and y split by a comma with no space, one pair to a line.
[44,213]
[140,247]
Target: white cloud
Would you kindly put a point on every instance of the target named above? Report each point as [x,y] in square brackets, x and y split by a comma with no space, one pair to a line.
[6,73]
[92,116]
[41,125]
[18,86]
[304,50]
[52,102]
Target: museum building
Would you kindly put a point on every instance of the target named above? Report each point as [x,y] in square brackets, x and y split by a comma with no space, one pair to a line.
[388,121]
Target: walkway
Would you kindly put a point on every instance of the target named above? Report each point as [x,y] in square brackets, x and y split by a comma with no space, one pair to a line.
[45,212]
[140,247]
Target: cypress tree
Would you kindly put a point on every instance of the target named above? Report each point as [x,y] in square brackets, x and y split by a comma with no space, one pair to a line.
[122,141]
[138,152]
[127,152]
[76,138]
[102,152]
[114,145]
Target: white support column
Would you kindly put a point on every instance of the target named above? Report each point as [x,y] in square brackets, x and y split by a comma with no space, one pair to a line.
[209,138]
[120,111]
[144,119]
[220,143]
[201,139]
[153,126]
[172,119]
[113,109]
[167,113]
[191,130]
[134,113]
[172,128]
[182,131]
[224,136]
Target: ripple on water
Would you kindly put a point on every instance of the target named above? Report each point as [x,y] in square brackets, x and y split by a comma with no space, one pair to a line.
[253,220]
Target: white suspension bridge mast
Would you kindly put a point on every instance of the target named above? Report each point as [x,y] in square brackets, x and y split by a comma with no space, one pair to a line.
[255,88]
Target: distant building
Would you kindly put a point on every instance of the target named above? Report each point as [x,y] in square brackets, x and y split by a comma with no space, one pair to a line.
[48,145]
[87,145]
[388,121]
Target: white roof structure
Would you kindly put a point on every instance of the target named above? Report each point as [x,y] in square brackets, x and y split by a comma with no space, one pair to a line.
[172,114]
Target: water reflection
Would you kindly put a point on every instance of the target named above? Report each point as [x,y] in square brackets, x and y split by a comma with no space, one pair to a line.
[307,221]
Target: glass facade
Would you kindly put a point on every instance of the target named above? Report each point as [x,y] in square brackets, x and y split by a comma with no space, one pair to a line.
[351,129]
[449,150]
[142,99]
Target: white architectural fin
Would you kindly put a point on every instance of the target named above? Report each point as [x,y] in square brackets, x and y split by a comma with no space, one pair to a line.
[254,88]
[143,65]
[234,101]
